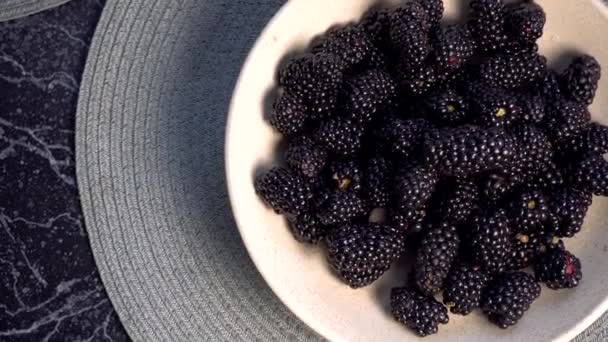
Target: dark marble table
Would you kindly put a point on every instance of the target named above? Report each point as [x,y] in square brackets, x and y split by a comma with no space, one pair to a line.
[49,286]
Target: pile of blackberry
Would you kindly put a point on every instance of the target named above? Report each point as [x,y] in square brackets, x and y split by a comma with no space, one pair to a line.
[455,140]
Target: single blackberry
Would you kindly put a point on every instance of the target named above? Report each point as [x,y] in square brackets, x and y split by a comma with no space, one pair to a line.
[508,297]
[569,207]
[416,81]
[532,108]
[496,108]
[528,246]
[434,10]
[436,253]
[524,22]
[289,114]
[350,44]
[592,175]
[403,138]
[594,139]
[423,314]
[495,186]
[528,211]
[459,200]
[346,174]
[376,184]
[283,190]
[566,119]
[340,136]
[414,186]
[513,71]
[407,21]
[305,157]
[409,222]
[361,253]
[489,241]
[559,269]
[534,151]
[367,94]
[486,22]
[445,107]
[466,151]
[463,288]
[341,207]
[307,228]
[453,47]
[580,79]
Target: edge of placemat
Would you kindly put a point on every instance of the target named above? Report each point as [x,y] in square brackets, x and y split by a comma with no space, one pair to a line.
[13,9]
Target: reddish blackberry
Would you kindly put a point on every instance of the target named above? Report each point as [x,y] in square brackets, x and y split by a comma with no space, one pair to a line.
[436,253]
[367,94]
[341,207]
[580,79]
[566,119]
[496,108]
[528,211]
[288,115]
[416,81]
[376,185]
[466,150]
[592,175]
[487,24]
[527,246]
[569,207]
[340,136]
[524,22]
[459,200]
[349,44]
[346,174]
[559,269]
[434,10]
[532,108]
[463,288]
[423,314]
[534,151]
[283,190]
[445,107]
[513,71]
[403,138]
[453,46]
[361,253]
[414,186]
[305,157]
[508,297]
[307,228]
[406,22]
[489,241]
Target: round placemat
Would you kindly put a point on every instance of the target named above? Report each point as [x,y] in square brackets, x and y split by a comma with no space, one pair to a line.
[13,9]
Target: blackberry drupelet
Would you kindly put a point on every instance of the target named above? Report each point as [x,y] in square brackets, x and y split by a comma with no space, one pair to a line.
[528,211]
[445,107]
[361,253]
[592,175]
[459,200]
[569,207]
[341,207]
[340,136]
[453,47]
[528,246]
[580,79]
[496,108]
[403,138]
[486,22]
[416,81]
[524,22]
[367,94]
[414,185]
[376,184]
[468,150]
[534,151]
[307,228]
[350,44]
[566,119]
[305,156]
[289,114]
[463,288]
[423,314]
[508,297]
[532,108]
[283,190]
[513,71]
[489,241]
[558,269]
[434,258]
[346,174]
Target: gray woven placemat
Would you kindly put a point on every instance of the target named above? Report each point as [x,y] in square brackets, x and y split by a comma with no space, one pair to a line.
[12,9]
[150,154]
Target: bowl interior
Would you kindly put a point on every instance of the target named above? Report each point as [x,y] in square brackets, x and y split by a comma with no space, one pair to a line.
[299,274]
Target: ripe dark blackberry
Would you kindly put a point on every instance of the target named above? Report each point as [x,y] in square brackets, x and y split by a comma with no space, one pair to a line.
[414,186]
[489,241]
[486,22]
[592,175]
[569,207]
[528,211]
[528,246]
[466,150]
[508,297]
[412,50]
[524,22]
[459,201]
[594,140]
[350,44]
[346,174]
[434,258]
[495,186]
[453,47]
[445,107]
[406,22]
[340,136]
[534,151]
[403,138]
[580,79]
[283,190]
[566,119]
[514,70]
[377,25]
[307,228]
[376,184]
[367,94]
[558,269]
[532,108]
[423,314]
[496,108]
[305,157]
[288,115]
[463,288]
[434,10]
[549,86]
[409,222]
[548,179]
[341,207]
[361,253]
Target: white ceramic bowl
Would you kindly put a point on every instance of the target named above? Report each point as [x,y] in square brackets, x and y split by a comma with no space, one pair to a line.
[298,273]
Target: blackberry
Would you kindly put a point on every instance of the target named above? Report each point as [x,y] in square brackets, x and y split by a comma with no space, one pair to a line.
[592,175]
[445,107]
[508,297]
[346,174]
[409,222]
[569,207]
[305,157]
[532,108]
[377,25]
[487,24]
[414,186]
[534,151]
[412,50]
[453,46]
[407,21]
[528,211]
[378,173]
[559,269]
[528,246]
[489,241]
[496,108]
[416,81]
[594,139]
[459,201]
[434,10]
[361,253]
[289,114]
[367,94]
[307,228]
[463,289]
[341,207]
[340,136]
[549,86]
[423,314]
[403,138]
[548,179]
[566,119]
[466,151]
[283,190]
[524,22]
[513,71]
[494,186]
[580,79]
[349,44]
[436,253]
